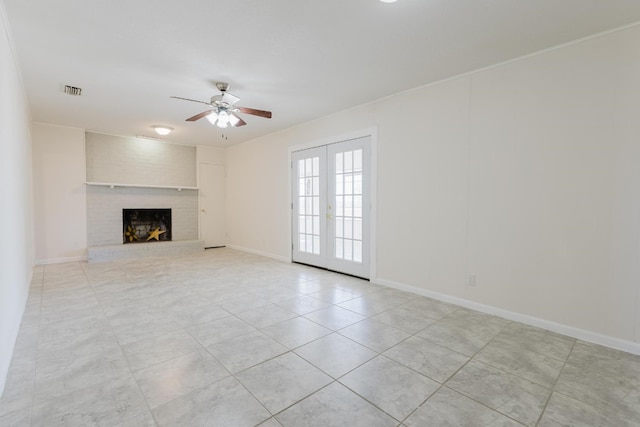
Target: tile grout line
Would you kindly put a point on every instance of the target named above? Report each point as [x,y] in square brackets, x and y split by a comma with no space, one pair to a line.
[443,384]
[35,368]
[512,373]
[33,389]
[231,375]
[378,354]
[333,380]
[555,384]
[202,347]
[133,377]
[367,400]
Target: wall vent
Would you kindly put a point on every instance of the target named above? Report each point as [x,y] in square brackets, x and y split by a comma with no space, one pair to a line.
[72,90]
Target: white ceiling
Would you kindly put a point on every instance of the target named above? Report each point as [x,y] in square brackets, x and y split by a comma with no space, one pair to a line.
[300,59]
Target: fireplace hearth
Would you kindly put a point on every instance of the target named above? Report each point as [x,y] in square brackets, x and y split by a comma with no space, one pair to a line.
[146,225]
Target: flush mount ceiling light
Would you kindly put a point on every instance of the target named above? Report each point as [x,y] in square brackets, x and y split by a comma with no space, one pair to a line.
[162,130]
[388,1]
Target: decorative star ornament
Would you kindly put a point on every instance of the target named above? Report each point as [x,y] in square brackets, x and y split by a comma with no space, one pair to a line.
[155,234]
[131,234]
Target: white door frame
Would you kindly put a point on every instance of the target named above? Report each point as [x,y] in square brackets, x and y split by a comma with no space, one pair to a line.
[371,132]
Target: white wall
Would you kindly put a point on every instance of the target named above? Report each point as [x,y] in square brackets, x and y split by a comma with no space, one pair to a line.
[60,206]
[525,175]
[554,186]
[16,245]
[257,199]
[216,155]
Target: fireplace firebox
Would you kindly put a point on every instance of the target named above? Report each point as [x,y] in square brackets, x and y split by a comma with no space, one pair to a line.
[146,225]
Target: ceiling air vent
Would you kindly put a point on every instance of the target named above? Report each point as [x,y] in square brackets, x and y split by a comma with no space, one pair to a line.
[72,90]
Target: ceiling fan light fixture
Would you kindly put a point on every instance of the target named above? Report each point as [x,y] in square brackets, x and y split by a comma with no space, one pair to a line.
[162,130]
[212,117]
[222,108]
[223,119]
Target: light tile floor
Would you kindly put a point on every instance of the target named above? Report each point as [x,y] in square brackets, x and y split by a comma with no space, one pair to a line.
[232,339]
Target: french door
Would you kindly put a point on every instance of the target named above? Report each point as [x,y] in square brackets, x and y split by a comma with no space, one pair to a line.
[331,206]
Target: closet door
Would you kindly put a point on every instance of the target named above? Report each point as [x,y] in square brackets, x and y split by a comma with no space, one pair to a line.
[212,208]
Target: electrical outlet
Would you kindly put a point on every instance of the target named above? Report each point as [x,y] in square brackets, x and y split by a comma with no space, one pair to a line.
[472,280]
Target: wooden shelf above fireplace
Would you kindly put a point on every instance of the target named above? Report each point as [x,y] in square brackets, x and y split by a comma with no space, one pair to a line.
[113,185]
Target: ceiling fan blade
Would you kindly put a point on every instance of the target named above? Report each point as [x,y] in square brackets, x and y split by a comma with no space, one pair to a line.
[240,122]
[192,100]
[229,98]
[261,113]
[199,116]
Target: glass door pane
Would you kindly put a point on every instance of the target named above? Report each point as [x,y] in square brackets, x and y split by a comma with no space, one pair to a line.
[309,205]
[348,207]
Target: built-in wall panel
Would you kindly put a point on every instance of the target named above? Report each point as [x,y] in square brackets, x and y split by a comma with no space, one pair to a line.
[16,218]
[515,189]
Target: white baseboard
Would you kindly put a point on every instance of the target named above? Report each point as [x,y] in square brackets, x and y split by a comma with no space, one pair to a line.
[261,253]
[581,334]
[61,260]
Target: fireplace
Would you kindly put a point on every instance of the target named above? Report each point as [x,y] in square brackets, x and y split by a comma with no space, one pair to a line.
[146,225]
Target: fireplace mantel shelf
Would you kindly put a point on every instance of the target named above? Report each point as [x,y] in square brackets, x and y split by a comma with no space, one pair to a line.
[113,185]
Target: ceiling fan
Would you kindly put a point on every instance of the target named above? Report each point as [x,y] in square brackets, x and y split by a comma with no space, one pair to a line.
[223,111]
